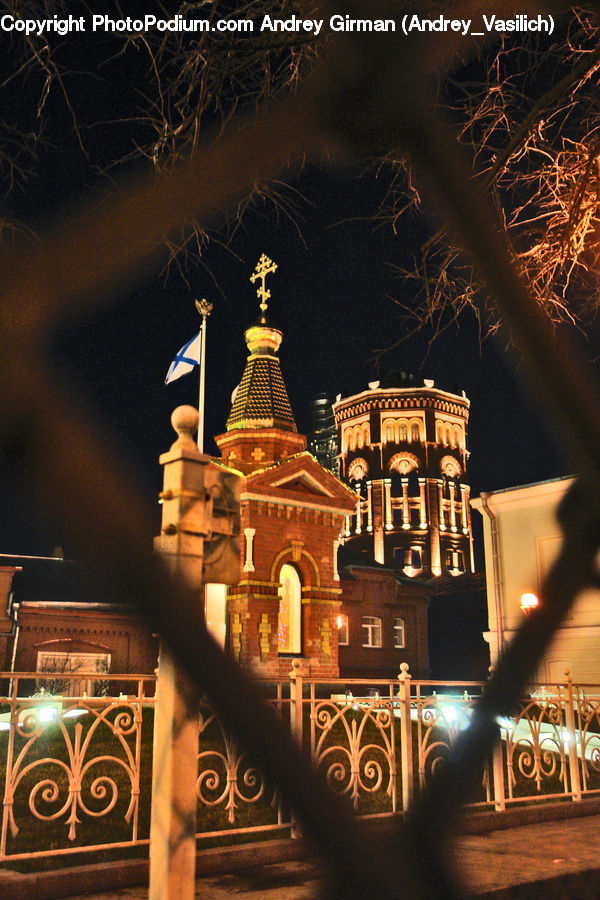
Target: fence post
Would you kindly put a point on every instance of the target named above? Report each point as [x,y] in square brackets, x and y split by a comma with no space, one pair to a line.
[296,689]
[498,765]
[572,732]
[190,517]
[498,774]
[406,751]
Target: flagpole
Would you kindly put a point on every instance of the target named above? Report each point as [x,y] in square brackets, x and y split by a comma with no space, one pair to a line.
[204,308]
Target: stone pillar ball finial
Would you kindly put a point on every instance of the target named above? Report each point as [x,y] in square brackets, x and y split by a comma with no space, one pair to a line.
[185,422]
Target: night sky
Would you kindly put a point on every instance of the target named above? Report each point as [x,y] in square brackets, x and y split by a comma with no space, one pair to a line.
[331,298]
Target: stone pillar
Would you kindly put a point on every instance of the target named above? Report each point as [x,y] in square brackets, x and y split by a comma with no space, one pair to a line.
[464,497]
[441,504]
[175,756]
[387,487]
[249,551]
[434,529]
[191,515]
[369,506]
[451,485]
[358,528]
[174,776]
[405,511]
[7,626]
[422,508]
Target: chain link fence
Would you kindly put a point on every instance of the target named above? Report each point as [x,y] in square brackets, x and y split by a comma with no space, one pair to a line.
[370,94]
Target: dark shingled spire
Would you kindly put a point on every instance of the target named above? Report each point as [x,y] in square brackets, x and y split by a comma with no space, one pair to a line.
[261,400]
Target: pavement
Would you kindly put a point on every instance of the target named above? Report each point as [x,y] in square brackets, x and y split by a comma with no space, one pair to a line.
[552,859]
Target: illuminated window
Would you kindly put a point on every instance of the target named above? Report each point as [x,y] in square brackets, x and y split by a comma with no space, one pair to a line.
[399,641]
[289,626]
[342,624]
[389,432]
[415,434]
[403,432]
[371,631]
[215,611]
[56,663]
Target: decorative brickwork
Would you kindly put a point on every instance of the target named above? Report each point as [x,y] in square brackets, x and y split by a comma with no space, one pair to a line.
[236,636]
[326,634]
[264,630]
[294,509]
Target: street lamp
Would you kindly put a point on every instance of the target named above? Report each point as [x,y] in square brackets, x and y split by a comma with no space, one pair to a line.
[529,602]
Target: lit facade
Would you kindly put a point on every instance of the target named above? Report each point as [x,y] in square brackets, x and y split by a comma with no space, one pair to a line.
[522,538]
[404,450]
[292,512]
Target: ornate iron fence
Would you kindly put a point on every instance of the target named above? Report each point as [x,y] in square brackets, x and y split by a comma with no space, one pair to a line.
[76,770]
[74,776]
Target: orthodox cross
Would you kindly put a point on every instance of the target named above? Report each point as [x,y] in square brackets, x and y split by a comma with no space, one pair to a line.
[264,267]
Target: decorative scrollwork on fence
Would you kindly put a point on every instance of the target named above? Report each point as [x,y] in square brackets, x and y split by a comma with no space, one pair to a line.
[588,710]
[355,747]
[68,770]
[225,774]
[536,748]
[439,722]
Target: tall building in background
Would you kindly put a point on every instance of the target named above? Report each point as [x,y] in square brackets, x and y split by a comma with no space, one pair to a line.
[323,436]
[403,448]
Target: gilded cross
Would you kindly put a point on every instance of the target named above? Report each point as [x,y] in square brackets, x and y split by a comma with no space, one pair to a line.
[264,267]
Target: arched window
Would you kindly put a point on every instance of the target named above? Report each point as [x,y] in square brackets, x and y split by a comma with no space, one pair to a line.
[457,437]
[439,433]
[289,626]
[403,434]
[389,432]
[415,432]
[448,440]
[342,625]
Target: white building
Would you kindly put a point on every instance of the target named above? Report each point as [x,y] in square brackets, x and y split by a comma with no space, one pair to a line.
[522,538]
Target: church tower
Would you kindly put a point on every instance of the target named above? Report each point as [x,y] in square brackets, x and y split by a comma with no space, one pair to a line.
[292,512]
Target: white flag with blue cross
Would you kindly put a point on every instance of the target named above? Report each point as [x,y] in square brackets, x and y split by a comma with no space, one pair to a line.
[186,359]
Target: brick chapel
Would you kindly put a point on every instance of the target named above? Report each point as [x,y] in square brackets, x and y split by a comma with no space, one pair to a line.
[292,513]
[292,602]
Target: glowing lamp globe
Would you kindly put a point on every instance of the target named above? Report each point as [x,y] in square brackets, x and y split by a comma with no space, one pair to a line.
[529,602]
